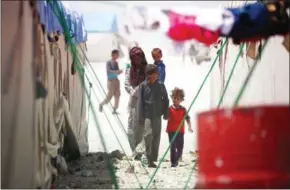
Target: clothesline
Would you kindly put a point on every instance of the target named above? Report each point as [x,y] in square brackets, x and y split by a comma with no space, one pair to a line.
[251,22]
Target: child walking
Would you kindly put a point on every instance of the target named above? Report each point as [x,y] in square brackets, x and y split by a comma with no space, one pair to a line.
[152,104]
[113,71]
[176,113]
[134,76]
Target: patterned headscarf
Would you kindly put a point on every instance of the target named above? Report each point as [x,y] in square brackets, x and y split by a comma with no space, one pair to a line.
[136,77]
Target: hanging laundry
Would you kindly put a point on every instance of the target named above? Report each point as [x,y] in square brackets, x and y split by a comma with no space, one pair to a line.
[49,21]
[81,28]
[219,42]
[56,24]
[228,23]
[51,24]
[215,20]
[212,21]
[183,27]
[250,22]
[278,21]
[74,27]
[256,21]
[79,37]
[41,7]
[251,50]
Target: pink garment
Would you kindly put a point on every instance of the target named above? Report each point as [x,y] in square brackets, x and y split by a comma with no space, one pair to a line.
[184,27]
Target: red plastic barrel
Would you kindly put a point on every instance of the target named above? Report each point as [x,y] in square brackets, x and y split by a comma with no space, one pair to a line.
[244,148]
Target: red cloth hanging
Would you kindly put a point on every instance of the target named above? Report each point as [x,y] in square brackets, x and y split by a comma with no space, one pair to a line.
[183,27]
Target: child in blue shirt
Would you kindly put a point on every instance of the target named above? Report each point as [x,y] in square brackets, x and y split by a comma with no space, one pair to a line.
[157,56]
[113,82]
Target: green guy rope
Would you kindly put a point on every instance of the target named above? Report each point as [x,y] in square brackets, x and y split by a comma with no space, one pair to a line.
[230,76]
[98,80]
[193,101]
[59,14]
[220,101]
[190,174]
[124,150]
[247,79]
[119,142]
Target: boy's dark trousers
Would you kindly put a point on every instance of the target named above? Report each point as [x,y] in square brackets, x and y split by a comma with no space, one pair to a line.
[152,138]
[176,148]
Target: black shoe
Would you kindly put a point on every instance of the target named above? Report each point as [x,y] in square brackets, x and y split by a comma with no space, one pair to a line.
[152,165]
[100,107]
[174,165]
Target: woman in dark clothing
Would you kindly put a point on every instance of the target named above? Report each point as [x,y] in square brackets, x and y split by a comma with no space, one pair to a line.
[135,75]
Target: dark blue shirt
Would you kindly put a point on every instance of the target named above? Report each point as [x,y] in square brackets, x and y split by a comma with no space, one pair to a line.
[161,71]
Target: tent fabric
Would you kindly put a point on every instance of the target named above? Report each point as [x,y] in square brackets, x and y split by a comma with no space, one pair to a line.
[17,121]
[31,132]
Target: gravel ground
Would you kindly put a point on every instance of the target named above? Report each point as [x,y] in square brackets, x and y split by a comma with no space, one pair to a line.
[91,172]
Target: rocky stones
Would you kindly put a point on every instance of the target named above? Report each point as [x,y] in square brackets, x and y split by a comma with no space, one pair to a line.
[117,154]
[91,172]
[130,169]
[61,164]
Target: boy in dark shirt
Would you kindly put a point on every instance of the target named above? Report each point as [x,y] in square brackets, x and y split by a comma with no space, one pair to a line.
[152,104]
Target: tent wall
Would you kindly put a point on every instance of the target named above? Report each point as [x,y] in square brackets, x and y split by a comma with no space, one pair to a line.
[270,81]
[30,135]
[18,156]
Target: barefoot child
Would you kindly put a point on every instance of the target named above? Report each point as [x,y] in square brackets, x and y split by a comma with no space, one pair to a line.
[175,117]
[152,104]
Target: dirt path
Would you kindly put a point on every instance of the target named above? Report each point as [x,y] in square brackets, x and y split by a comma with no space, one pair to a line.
[91,172]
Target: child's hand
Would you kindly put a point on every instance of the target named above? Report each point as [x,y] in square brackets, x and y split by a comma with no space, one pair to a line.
[190,130]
